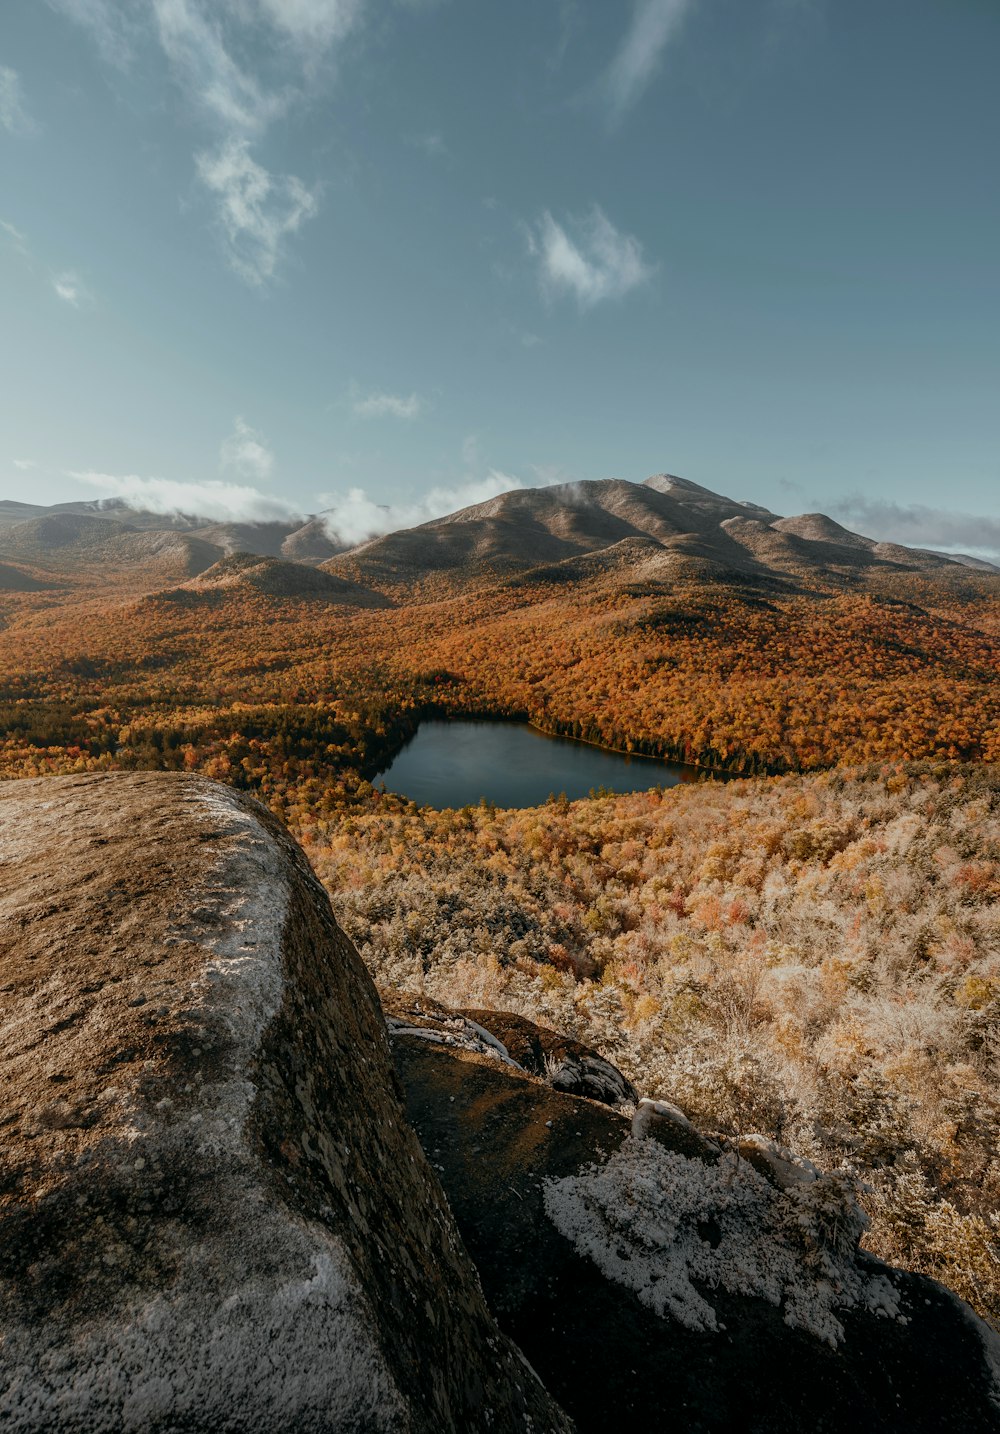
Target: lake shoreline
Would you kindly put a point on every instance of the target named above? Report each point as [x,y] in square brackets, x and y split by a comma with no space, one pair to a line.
[453,763]
[716,773]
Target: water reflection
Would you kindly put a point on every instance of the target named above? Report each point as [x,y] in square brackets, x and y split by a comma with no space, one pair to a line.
[456,764]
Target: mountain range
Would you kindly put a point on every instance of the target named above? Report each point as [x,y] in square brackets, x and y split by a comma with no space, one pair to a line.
[652,531]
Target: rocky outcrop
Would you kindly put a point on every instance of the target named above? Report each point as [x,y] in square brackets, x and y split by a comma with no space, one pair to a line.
[212,1213]
[215,1214]
[658,1279]
[563,1063]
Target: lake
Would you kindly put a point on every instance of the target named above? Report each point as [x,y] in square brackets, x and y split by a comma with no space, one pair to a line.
[455,764]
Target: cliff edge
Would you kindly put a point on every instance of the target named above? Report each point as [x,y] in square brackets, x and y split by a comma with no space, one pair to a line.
[213,1214]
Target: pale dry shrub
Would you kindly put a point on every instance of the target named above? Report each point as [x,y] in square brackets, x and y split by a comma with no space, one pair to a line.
[816,958]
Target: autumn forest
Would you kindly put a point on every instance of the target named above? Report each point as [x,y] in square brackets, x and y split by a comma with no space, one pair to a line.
[811,951]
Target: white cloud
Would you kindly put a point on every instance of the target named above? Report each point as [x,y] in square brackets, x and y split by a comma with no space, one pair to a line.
[71,289]
[66,284]
[431,142]
[13,116]
[18,240]
[112,23]
[24,464]
[354,516]
[195,49]
[918,526]
[385,405]
[214,500]
[200,39]
[257,210]
[654,24]
[246,451]
[310,22]
[549,474]
[595,263]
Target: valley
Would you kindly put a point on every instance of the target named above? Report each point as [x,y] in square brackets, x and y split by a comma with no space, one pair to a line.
[808,951]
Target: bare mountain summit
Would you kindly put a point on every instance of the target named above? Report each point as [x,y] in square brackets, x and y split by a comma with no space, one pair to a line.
[582,526]
[585,526]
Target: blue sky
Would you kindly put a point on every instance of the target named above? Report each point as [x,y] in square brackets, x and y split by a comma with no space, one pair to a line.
[270,255]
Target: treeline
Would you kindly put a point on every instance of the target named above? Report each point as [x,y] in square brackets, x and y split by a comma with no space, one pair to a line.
[305,759]
[712,676]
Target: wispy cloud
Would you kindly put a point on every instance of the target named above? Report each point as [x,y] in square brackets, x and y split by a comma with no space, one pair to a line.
[204,42]
[568,19]
[311,22]
[13,116]
[114,25]
[211,78]
[72,290]
[589,259]
[66,284]
[257,210]
[385,405]
[918,526]
[16,239]
[24,464]
[218,501]
[246,452]
[430,142]
[354,516]
[654,24]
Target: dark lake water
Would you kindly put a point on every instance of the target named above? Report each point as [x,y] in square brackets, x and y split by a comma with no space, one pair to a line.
[454,764]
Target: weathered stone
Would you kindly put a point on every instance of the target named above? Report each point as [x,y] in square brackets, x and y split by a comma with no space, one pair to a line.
[666,1123]
[613,1313]
[563,1063]
[212,1212]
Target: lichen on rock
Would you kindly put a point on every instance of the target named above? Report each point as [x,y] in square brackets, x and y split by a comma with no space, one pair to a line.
[213,1214]
[642,1216]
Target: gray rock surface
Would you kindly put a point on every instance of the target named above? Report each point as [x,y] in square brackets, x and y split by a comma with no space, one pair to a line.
[213,1215]
[657,1282]
[563,1063]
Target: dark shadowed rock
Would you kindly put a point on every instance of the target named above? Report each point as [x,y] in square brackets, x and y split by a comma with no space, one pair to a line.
[513,1040]
[660,1283]
[566,1065]
[212,1213]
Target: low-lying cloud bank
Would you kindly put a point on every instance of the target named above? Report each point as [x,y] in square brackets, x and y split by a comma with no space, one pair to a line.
[355,516]
[349,518]
[918,526]
[212,499]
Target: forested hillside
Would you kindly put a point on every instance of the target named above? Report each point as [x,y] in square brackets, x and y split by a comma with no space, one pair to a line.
[812,953]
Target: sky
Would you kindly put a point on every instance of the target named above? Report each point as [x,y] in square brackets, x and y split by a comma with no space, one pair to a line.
[390,257]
